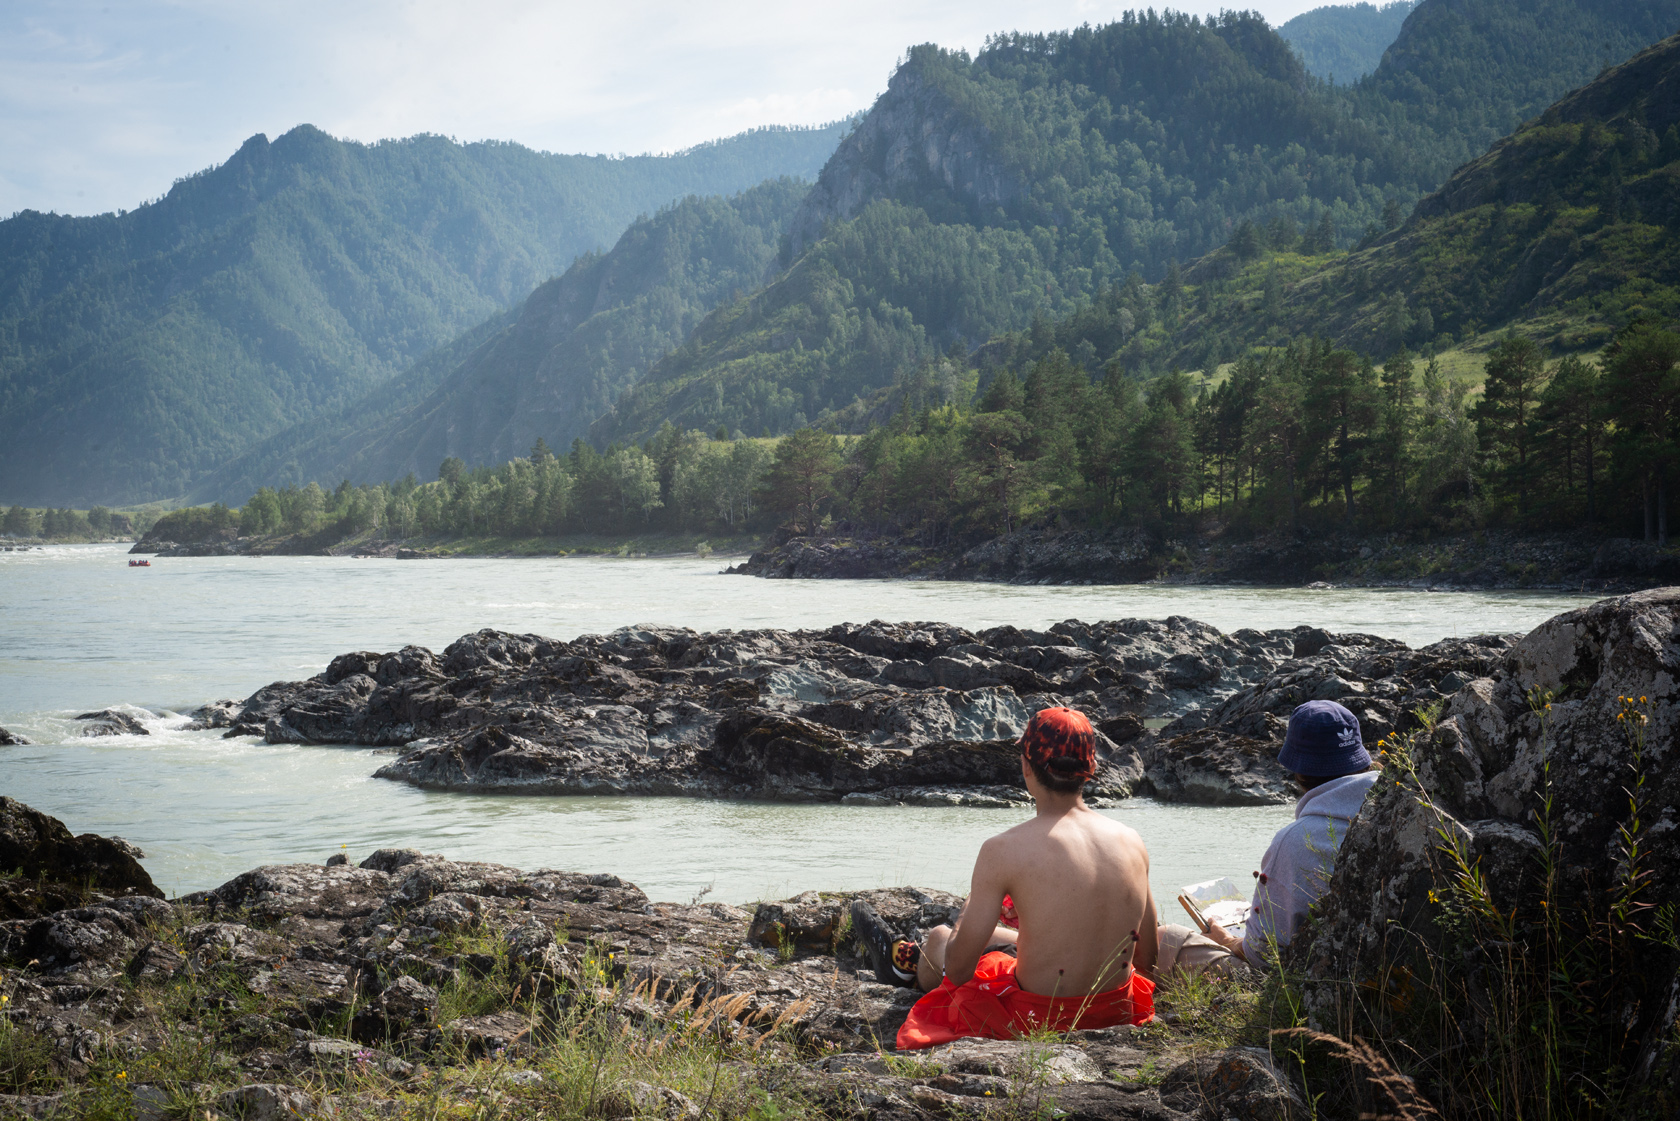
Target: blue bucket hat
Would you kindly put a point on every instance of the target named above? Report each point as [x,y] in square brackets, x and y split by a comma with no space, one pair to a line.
[1323,742]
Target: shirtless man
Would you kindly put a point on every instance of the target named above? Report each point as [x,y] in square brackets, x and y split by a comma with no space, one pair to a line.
[1079,883]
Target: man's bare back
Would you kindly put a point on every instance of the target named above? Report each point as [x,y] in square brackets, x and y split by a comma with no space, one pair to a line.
[1080,885]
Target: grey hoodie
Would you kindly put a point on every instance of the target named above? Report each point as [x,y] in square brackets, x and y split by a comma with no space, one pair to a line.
[1297,865]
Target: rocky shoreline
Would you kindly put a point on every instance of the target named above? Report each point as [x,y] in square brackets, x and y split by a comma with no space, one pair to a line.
[1130,555]
[406,980]
[872,714]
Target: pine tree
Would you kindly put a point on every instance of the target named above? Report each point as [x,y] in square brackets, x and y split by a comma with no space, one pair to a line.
[800,481]
[1396,426]
[1505,415]
[1326,236]
[1641,388]
[1569,427]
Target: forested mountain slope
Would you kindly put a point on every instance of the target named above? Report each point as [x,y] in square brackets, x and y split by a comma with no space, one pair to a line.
[981,194]
[140,350]
[1463,73]
[1567,229]
[978,192]
[546,370]
[1344,42]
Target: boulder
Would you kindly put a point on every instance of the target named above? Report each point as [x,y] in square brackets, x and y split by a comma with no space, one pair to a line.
[1562,755]
[41,848]
[112,722]
[12,739]
[216,714]
[79,936]
[1212,767]
[1240,1082]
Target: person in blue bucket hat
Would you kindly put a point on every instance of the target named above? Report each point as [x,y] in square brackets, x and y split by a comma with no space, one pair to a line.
[1325,754]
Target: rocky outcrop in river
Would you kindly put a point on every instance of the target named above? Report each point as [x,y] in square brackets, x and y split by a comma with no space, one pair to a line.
[876,713]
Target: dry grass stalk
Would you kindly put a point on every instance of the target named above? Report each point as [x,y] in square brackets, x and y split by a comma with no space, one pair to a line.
[1405,1103]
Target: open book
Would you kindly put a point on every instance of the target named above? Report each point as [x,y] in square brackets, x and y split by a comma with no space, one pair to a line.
[1220,901]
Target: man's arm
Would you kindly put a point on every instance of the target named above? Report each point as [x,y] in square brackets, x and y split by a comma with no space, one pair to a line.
[1226,939]
[1148,945]
[974,928]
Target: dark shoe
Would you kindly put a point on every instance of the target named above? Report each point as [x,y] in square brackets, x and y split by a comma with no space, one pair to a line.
[892,958]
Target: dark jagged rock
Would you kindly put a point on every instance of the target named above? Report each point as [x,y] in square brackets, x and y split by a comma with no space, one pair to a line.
[1226,754]
[216,714]
[878,713]
[112,722]
[54,870]
[12,739]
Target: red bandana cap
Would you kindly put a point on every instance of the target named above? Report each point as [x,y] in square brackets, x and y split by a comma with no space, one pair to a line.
[1060,742]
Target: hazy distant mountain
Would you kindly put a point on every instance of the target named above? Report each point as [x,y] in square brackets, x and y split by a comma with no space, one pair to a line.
[547,369]
[140,350]
[1344,42]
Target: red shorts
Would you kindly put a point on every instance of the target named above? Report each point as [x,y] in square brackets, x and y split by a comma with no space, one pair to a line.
[993,1006]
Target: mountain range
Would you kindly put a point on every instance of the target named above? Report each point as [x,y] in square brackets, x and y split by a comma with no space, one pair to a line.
[981,197]
[141,350]
[1566,229]
[548,368]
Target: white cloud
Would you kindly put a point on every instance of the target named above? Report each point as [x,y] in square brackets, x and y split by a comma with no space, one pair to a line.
[103,104]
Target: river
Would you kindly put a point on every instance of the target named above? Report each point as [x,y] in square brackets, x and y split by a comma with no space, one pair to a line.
[81,630]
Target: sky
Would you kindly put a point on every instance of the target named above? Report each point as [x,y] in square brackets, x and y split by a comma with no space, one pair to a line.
[105,103]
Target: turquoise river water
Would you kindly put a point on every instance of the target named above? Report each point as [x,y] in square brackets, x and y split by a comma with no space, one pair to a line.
[81,630]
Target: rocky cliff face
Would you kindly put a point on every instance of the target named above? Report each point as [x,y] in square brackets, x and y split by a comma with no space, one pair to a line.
[912,141]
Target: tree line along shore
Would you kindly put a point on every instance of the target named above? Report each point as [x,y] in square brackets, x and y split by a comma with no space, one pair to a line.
[1302,442]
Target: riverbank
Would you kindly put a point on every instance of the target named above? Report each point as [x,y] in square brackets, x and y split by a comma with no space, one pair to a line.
[375,544]
[1491,560]
[403,984]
